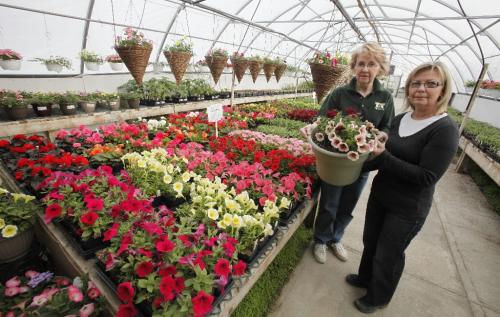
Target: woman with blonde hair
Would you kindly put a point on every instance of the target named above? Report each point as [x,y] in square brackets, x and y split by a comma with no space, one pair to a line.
[420,146]
[365,95]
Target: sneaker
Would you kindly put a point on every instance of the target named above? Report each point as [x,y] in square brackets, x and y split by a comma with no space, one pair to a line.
[365,307]
[320,252]
[353,280]
[339,251]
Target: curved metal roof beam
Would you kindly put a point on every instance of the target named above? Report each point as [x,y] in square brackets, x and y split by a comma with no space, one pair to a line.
[275,18]
[438,22]
[167,31]
[423,60]
[227,24]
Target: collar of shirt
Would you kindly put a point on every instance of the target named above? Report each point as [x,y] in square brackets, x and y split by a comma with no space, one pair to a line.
[377,86]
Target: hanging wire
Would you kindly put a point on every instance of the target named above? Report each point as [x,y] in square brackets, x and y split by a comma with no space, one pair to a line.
[47,33]
[473,32]
[142,15]
[114,23]
[428,46]
[248,26]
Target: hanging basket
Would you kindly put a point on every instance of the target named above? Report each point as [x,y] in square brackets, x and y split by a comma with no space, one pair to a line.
[325,77]
[279,71]
[254,69]
[335,168]
[136,59]
[240,66]
[216,65]
[269,70]
[178,62]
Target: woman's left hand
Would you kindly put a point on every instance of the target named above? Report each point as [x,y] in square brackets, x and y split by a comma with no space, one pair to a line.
[380,143]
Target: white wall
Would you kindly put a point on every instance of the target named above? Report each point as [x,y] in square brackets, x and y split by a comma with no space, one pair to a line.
[486,110]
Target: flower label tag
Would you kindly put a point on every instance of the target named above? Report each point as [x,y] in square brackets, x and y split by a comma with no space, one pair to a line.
[214,113]
[70,107]
[42,108]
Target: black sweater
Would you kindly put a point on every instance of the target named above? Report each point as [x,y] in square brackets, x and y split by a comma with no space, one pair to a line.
[410,167]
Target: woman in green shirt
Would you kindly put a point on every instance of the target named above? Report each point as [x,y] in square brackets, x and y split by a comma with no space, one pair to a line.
[363,94]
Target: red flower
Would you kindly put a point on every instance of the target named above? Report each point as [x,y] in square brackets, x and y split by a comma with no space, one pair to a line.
[95,204]
[93,292]
[202,304]
[169,270]
[228,249]
[222,267]
[4,143]
[167,287]
[52,211]
[125,292]
[19,175]
[239,268]
[145,252]
[89,218]
[111,232]
[127,310]
[164,245]
[143,269]
[126,240]
[179,285]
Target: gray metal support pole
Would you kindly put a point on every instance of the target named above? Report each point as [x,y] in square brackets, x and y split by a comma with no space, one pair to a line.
[86,30]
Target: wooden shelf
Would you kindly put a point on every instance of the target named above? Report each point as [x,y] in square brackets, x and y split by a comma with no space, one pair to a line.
[54,123]
[486,163]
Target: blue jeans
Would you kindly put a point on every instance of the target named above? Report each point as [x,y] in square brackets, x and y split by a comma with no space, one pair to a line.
[335,209]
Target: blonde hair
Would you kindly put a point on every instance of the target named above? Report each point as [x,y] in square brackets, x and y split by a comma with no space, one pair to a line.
[374,50]
[442,103]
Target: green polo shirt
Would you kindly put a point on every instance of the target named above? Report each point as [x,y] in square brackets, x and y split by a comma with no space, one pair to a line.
[377,107]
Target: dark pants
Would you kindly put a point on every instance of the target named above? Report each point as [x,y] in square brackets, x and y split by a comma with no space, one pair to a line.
[385,237]
[335,209]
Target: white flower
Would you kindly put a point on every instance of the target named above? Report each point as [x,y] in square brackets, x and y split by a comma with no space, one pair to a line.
[237,221]
[227,219]
[141,163]
[319,136]
[285,203]
[268,230]
[178,187]
[185,177]
[2,223]
[9,231]
[213,214]
[167,179]
[353,156]
[343,147]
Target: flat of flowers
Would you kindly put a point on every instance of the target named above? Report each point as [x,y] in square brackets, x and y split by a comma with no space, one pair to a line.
[86,249]
[287,216]
[36,259]
[259,250]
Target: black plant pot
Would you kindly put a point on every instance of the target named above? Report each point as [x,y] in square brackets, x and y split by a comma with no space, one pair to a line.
[42,110]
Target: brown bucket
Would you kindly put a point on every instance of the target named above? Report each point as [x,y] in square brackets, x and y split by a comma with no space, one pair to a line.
[136,59]
[216,65]
[178,62]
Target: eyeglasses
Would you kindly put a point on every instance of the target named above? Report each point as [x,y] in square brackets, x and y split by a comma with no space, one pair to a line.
[369,65]
[427,84]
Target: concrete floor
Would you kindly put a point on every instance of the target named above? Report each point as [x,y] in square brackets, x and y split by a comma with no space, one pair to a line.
[452,266]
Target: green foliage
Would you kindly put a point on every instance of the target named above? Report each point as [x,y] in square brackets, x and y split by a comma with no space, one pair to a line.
[181,45]
[264,293]
[88,56]
[17,213]
[59,60]
[281,131]
[489,188]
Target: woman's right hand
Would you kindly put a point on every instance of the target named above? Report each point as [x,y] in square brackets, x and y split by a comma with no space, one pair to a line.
[380,141]
[307,130]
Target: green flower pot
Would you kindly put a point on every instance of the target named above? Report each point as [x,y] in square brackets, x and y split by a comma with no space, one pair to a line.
[14,248]
[335,168]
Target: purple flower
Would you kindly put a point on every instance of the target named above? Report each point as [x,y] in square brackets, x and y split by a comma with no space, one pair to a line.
[40,278]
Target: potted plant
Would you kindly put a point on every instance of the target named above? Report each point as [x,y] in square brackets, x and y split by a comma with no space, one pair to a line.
[115,62]
[87,102]
[10,60]
[326,70]
[67,102]
[17,216]
[134,99]
[55,63]
[134,50]
[14,104]
[179,94]
[112,101]
[255,64]
[240,65]
[216,60]
[92,60]
[269,67]
[42,103]
[341,145]
[280,69]
[178,56]
[123,96]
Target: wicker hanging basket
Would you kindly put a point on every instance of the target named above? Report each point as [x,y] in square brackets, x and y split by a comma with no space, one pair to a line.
[325,77]
[254,69]
[269,70]
[240,66]
[136,59]
[178,62]
[279,71]
[216,65]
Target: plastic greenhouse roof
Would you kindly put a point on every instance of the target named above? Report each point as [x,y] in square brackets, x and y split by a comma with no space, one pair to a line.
[412,31]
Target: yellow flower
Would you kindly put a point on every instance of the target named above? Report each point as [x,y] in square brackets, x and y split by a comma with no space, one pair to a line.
[141,163]
[237,221]
[167,179]
[213,214]
[221,225]
[9,231]
[3,190]
[231,204]
[2,223]
[170,168]
[178,187]
[227,220]
[185,177]
[285,203]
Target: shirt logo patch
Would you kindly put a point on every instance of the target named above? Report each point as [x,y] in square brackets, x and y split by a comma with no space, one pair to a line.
[379,106]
